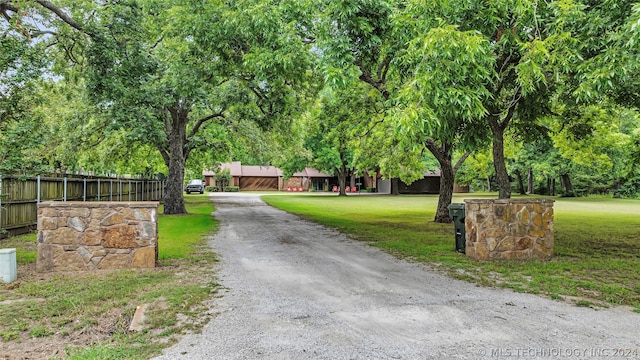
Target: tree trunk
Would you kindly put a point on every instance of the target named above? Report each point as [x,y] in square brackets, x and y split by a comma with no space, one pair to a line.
[502,177]
[549,186]
[489,183]
[342,180]
[352,181]
[447,176]
[530,189]
[553,187]
[175,159]
[395,182]
[446,192]
[520,183]
[566,182]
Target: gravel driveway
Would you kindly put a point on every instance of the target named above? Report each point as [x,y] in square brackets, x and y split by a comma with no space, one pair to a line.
[297,290]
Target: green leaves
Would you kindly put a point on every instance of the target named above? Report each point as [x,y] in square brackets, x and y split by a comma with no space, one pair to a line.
[451,72]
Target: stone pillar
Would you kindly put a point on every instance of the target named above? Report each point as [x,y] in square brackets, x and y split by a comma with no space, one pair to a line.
[500,229]
[77,236]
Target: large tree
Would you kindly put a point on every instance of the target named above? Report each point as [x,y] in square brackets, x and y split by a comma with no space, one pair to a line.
[168,72]
[441,104]
[367,40]
[527,45]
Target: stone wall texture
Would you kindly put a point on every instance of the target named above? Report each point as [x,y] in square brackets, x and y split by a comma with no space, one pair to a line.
[78,236]
[509,229]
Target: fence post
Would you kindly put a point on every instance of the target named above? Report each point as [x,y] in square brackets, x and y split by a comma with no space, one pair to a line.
[129,190]
[38,188]
[64,189]
[84,189]
[99,188]
[119,190]
[142,191]
[110,190]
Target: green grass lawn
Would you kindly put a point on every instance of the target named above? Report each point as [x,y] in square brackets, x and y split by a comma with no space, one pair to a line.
[176,238]
[95,309]
[597,243]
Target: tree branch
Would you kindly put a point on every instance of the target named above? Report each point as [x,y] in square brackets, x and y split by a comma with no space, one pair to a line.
[36,33]
[433,146]
[164,152]
[63,16]
[460,161]
[200,122]
[512,108]
[258,94]
[167,122]
[4,7]
[382,70]
[264,98]
[376,84]
[373,126]
[157,42]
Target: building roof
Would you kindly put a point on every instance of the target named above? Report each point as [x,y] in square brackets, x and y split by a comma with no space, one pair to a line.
[235,169]
[312,173]
[434,173]
[260,171]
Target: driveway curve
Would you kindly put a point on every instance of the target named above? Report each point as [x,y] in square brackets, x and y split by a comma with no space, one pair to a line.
[298,290]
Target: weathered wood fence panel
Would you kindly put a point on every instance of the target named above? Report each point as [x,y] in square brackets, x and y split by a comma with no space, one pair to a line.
[19,196]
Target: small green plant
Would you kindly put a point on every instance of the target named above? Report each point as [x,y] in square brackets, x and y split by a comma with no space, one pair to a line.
[223,176]
[556,297]
[231,188]
[584,303]
[212,188]
[40,331]
[9,335]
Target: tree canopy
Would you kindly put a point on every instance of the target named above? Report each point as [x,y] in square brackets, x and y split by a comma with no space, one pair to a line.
[173,87]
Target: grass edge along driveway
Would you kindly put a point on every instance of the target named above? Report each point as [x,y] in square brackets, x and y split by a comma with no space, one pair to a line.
[597,243]
[86,315]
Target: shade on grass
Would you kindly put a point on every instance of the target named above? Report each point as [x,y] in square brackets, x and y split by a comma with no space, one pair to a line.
[179,233]
[597,242]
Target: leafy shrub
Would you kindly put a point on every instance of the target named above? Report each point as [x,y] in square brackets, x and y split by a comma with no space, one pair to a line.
[630,189]
[371,189]
[212,188]
[231,188]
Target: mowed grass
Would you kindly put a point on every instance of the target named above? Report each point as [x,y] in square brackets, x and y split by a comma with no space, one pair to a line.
[597,243]
[86,315]
[179,230]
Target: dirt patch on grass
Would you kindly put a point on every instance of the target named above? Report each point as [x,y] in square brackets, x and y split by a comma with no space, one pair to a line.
[38,322]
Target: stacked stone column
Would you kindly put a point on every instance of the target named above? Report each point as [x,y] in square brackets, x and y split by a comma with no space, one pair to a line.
[76,236]
[499,229]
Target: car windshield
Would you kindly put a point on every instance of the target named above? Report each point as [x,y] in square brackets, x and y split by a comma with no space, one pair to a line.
[195,182]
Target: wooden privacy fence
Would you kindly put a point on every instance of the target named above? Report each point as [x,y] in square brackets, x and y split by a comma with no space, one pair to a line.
[19,197]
